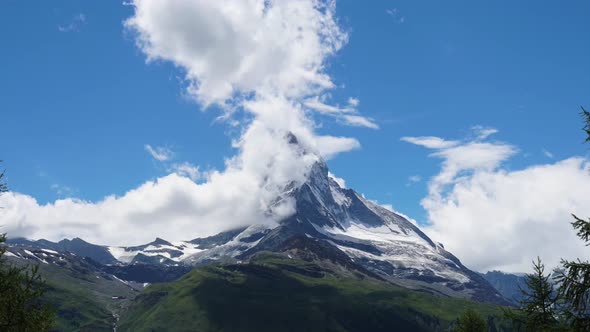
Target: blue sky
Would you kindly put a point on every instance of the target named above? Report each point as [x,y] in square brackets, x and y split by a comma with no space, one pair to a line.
[78,106]
[79,102]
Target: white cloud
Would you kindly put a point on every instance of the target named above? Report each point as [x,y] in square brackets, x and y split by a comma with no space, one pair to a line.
[186,169]
[173,207]
[354,102]
[388,207]
[359,121]
[259,61]
[482,132]
[338,180]
[159,153]
[320,106]
[74,25]
[347,115]
[494,218]
[241,46]
[468,157]
[430,142]
[547,153]
[329,146]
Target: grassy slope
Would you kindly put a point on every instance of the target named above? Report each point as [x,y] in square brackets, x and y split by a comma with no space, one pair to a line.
[81,296]
[84,302]
[274,293]
[77,312]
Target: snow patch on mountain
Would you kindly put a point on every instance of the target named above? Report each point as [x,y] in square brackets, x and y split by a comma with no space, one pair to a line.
[187,251]
[8,253]
[121,254]
[232,248]
[339,197]
[378,239]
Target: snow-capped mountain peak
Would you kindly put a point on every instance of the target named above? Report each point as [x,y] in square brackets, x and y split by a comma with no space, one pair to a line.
[381,240]
[337,222]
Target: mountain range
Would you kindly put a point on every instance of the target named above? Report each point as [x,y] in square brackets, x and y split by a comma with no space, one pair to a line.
[334,231]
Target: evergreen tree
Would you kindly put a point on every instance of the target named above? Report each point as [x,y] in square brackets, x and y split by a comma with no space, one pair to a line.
[3,187]
[536,310]
[471,321]
[574,276]
[539,299]
[21,289]
[586,118]
[574,283]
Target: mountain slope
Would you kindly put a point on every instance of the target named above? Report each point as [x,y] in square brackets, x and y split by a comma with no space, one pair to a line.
[281,292]
[380,240]
[509,285]
[376,239]
[76,246]
[83,297]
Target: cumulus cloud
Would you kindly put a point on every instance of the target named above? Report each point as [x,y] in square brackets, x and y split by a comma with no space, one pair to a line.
[159,152]
[259,61]
[494,218]
[240,47]
[468,157]
[171,207]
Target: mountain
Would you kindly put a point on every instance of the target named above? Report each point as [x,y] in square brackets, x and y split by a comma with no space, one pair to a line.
[76,246]
[307,286]
[84,297]
[142,269]
[194,252]
[379,240]
[339,262]
[279,292]
[342,223]
[508,284]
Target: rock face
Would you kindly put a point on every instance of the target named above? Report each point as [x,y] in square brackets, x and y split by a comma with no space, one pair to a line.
[508,284]
[330,220]
[379,240]
[76,246]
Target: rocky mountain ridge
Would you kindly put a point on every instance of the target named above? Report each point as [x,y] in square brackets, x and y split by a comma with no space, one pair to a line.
[341,221]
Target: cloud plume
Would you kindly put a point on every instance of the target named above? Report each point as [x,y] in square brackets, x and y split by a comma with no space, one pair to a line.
[258,61]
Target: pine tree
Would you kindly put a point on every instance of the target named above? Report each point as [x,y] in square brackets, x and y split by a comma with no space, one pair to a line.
[539,299]
[574,283]
[21,289]
[3,187]
[536,310]
[471,321]
[574,276]
[586,118]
